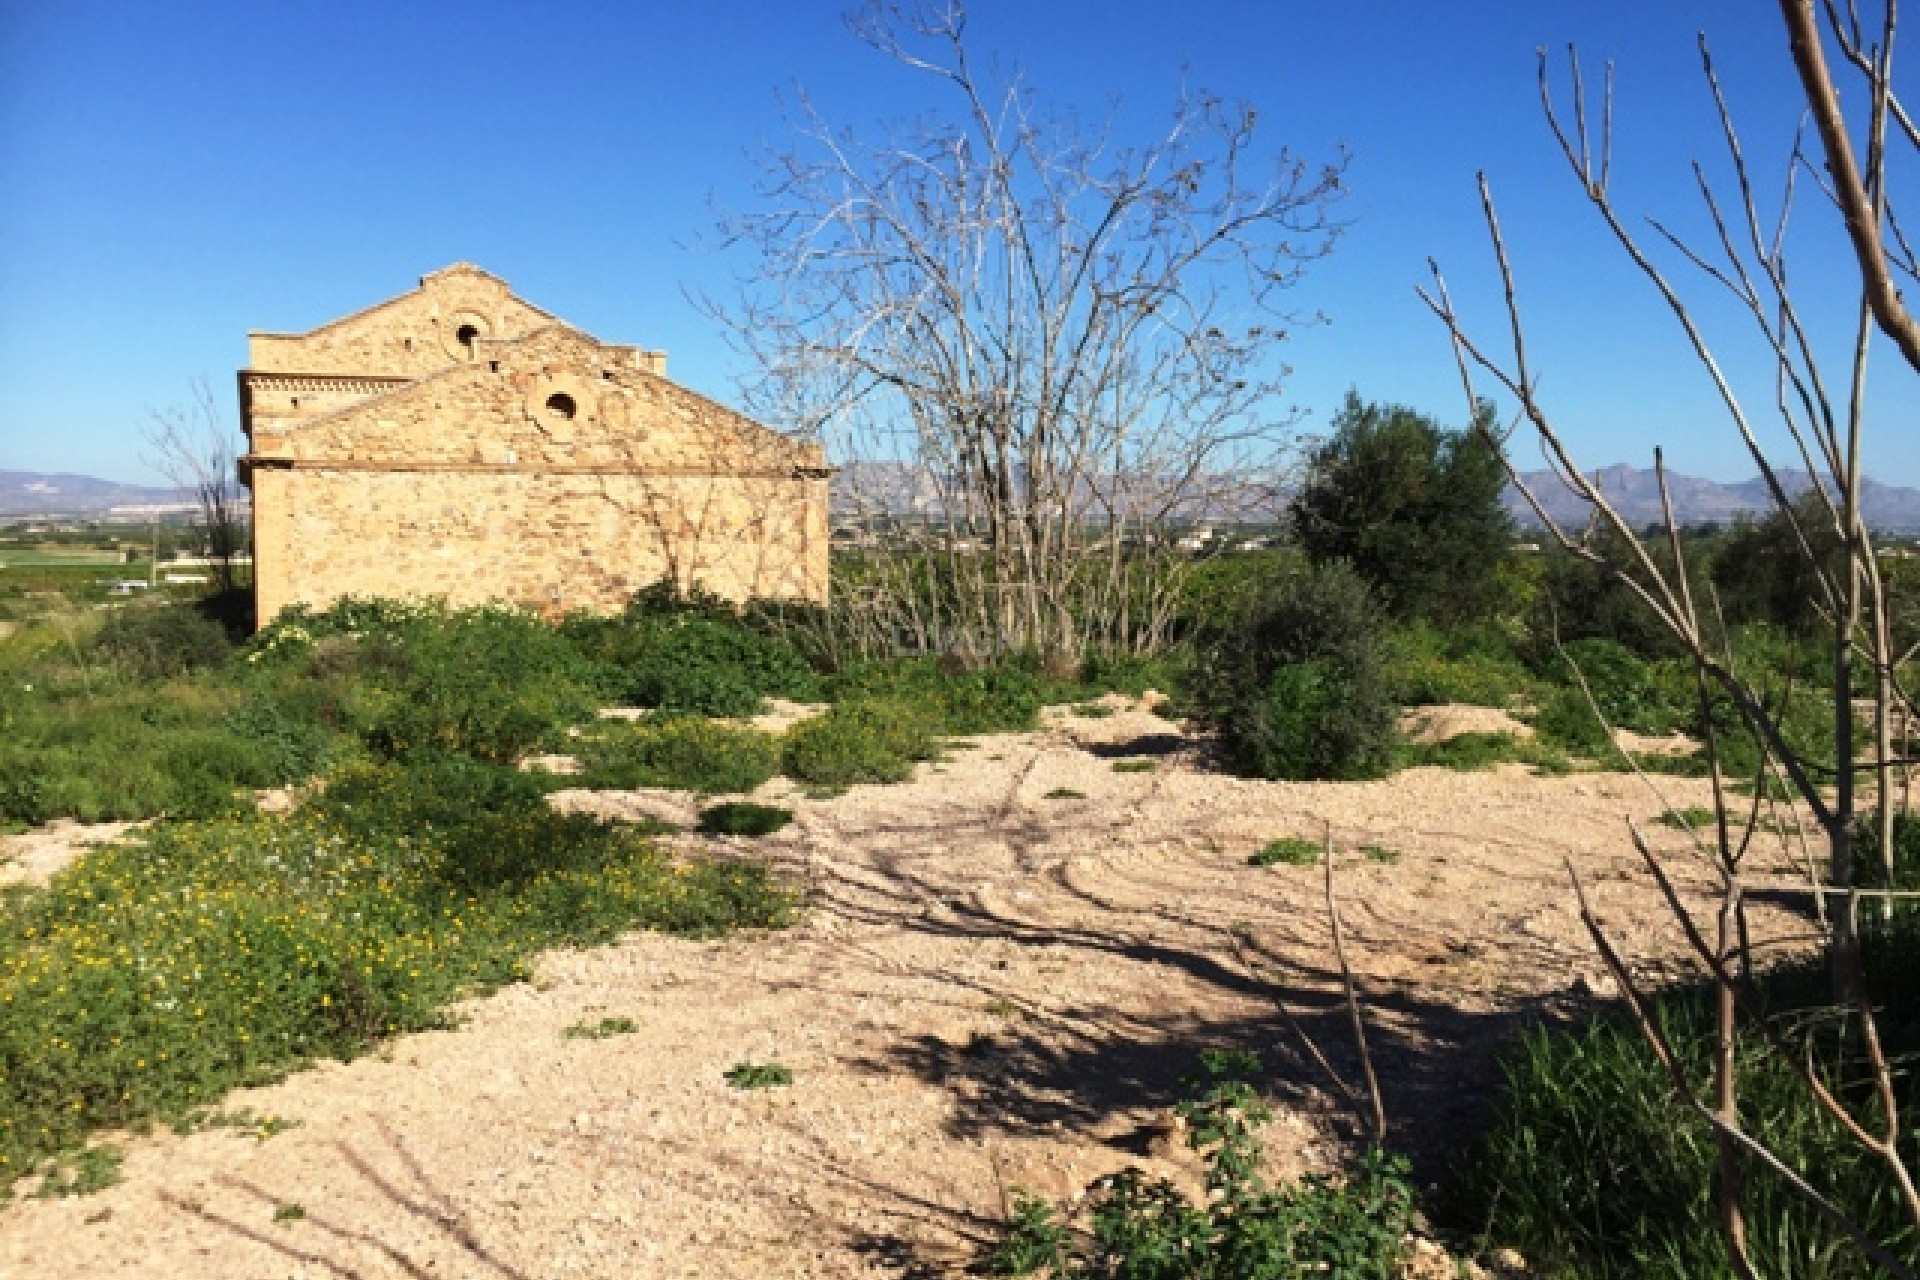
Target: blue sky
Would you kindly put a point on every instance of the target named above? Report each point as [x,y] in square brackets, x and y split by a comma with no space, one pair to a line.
[174,175]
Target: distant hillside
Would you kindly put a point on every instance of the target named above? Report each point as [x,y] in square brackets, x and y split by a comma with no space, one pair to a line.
[31,493]
[898,489]
[1635,493]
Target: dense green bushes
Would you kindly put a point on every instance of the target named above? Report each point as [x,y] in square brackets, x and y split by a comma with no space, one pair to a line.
[488,682]
[182,747]
[153,641]
[696,655]
[680,751]
[871,740]
[1475,665]
[993,700]
[154,975]
[1297,683]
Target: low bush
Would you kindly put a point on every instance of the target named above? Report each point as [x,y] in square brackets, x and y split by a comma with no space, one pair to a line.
[683,752]
[743,818]
[758,1075]
[694,655]
[182,747]
[153,975]
[871,740]
[1290,851]
[1145,1228]
[1297,684]
[1591,1168]
[992,700]
[161,639]
[490,682]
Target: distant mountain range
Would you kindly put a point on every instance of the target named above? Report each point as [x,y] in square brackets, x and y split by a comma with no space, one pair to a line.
[32,493]
[899,490]
[1635,494]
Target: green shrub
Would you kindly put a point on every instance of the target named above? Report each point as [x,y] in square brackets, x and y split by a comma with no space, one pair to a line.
[1289,850]
[743,818]
[154,641]
[692,654]
[1144,1228]
[407,676]
[758,1075]
[682,752]
[873,740]
[1591,1168]
[992,700]
[153,975]
[1297,685]
[183,747]
[285,746]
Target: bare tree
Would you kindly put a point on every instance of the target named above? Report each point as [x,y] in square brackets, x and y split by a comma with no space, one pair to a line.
[1035,348]
[193,447]
[1823,412]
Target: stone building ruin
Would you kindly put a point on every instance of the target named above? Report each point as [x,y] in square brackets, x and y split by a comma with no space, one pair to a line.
[459,442]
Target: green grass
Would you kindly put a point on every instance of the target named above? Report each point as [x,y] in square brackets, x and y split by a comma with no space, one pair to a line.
[604,1029]
[261,1127]
[1288,851]
[35,558]
[80,1172]
[287,1213]
[1591,1169]
[1064,793]
[1380,853]
[1472,752]
[1133,766]
[154,975]
[1692,818]
[760,1075]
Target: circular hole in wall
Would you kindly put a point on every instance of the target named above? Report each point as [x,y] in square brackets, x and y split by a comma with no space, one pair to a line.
[561,405]
[465,335]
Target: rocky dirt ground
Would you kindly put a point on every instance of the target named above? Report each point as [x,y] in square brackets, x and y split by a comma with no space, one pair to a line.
[1004,970]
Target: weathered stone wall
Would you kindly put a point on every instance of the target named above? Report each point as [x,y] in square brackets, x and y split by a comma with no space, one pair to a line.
[553,542]
[543,468]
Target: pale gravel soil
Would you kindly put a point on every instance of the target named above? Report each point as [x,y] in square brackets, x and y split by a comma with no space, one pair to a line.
[988,989]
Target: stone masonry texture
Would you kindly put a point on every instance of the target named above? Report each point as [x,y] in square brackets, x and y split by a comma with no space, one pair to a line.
[459,442]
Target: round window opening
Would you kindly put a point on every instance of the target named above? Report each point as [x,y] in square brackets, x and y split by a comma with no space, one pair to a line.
[465,335]
[561,405]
